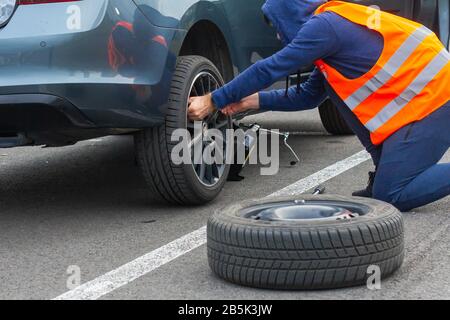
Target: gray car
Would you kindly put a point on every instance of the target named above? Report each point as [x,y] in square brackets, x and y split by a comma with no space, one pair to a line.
[75,70]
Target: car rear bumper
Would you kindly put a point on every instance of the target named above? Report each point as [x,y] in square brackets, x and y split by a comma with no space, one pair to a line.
[30,119]
[43,119]
[114,78]
[38,112]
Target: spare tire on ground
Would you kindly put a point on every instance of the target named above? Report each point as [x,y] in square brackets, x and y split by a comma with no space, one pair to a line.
[305,242]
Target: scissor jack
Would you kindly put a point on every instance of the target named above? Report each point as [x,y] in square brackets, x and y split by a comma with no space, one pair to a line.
[252,131]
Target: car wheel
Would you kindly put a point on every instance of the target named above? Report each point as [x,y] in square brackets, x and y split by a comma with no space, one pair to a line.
[184,183]
[332,120]
[306,242]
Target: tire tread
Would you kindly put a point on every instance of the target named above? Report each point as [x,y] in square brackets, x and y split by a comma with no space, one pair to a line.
[306,257]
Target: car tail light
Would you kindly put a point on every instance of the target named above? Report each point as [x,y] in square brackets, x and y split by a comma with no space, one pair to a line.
[43,1]
[7,8]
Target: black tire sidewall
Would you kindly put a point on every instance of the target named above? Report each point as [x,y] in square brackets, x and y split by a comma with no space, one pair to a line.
[202,191]
[332,119]
[265,254]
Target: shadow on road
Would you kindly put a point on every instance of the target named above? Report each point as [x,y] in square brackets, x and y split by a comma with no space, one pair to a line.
[90,174]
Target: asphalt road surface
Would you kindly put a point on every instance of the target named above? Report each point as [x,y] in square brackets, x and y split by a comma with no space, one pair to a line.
[87,206]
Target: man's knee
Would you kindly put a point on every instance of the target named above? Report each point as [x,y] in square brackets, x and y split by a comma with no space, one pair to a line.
[382,193]
[390,196]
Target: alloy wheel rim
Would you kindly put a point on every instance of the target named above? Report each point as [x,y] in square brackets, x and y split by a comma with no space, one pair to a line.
[208,174]
[302,210]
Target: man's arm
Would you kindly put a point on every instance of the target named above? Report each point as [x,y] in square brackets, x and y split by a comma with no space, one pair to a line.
[312,93]
[316,40]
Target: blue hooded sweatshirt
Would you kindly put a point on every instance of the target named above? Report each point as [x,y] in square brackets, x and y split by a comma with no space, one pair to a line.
[350,48]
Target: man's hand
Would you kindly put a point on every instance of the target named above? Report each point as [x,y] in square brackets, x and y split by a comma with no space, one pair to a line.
[246,104]
[200,107]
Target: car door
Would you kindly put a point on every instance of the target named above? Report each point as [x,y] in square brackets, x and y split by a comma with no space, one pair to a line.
[422,11]
[444,22]
[399,7]
[259,40]
[252,38]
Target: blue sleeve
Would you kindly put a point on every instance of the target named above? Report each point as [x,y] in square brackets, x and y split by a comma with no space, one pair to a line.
[316,40]
[312,93]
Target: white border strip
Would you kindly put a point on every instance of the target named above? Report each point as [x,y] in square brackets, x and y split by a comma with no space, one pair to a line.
[323,175]
[130,271]
[147,263]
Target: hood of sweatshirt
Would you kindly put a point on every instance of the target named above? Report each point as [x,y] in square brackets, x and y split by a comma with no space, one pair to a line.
[288,16]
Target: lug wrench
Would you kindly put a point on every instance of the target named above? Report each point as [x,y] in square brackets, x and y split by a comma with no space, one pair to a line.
[319,190]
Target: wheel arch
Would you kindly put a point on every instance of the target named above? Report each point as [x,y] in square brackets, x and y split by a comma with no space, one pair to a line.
[205,30]
[206,39]
[425,12]
[200,27]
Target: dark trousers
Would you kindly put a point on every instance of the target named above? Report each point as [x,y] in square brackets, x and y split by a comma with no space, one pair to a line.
[408,174]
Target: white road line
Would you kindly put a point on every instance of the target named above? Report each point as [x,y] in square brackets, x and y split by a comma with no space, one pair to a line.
[324,175]
[145,264]
[129,272]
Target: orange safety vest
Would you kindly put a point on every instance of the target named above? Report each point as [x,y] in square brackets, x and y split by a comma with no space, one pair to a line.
[409,81]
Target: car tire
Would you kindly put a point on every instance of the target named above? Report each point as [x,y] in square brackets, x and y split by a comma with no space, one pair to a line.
[332,120]
[169,182]
[305,254]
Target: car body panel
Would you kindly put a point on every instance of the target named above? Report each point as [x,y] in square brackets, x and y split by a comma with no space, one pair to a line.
[444,21]
[52,59]
[231,16]
[402,8]
[39,55]
[45,50]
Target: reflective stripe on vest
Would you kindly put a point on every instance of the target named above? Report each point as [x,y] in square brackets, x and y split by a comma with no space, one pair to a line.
[415,88]
[409,81]
[391,67]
